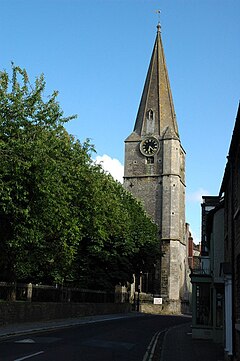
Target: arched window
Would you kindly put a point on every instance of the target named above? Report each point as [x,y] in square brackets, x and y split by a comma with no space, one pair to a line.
[150,114]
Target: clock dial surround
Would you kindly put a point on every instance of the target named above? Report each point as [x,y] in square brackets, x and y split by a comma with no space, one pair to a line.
[149,146]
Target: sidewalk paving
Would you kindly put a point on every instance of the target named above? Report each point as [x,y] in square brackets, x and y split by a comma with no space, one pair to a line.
[178,345]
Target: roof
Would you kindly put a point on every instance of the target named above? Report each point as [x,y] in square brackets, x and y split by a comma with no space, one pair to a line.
[156,101]
[232,151]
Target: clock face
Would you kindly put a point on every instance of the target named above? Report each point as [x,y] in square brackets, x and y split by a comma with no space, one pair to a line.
[149,146]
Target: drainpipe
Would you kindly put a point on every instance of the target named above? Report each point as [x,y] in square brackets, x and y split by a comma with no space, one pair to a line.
[228,313]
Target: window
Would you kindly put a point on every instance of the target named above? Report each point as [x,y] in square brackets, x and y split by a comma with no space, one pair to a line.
[238,286]
[203,304]
[150,160]
[150,114]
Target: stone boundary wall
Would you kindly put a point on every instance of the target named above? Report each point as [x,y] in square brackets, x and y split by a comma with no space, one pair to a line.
[171,307]
[165,309]
[20,312]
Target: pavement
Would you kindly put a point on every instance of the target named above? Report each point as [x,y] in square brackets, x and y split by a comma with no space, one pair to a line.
[177,344]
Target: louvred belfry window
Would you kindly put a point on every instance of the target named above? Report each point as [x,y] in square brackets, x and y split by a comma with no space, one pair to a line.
[150,114]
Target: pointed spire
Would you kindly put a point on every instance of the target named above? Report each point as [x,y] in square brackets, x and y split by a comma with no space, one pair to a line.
[156,102]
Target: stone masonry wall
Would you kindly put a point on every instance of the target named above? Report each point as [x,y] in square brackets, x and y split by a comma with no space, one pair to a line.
[20,312]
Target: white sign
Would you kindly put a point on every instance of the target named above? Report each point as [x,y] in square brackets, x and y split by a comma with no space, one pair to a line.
[157,301]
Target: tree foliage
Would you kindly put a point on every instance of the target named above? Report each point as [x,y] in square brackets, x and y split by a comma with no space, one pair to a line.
[61,217]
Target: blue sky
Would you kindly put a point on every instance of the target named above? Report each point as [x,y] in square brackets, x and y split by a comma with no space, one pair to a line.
[96,54]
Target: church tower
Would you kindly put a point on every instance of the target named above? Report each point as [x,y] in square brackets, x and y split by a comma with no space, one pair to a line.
[154,172]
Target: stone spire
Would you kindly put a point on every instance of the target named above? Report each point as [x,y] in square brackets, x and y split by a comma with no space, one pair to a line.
[156,103]
[157,178]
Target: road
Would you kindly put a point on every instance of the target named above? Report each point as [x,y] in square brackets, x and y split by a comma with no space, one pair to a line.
[128,339]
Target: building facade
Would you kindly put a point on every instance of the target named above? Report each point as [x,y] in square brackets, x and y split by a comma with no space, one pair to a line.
[216,283]
[206,278]
[154,172]
[230,190]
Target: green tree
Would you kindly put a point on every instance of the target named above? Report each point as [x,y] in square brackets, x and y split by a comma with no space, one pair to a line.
[61,217]
[36,226]
[116,236]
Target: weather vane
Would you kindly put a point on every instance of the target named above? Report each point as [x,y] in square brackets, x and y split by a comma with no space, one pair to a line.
[158,12]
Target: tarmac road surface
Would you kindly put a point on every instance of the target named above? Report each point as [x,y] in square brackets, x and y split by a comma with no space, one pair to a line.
[134,338]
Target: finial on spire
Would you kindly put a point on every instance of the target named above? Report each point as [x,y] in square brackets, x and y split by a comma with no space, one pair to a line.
[158,25]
